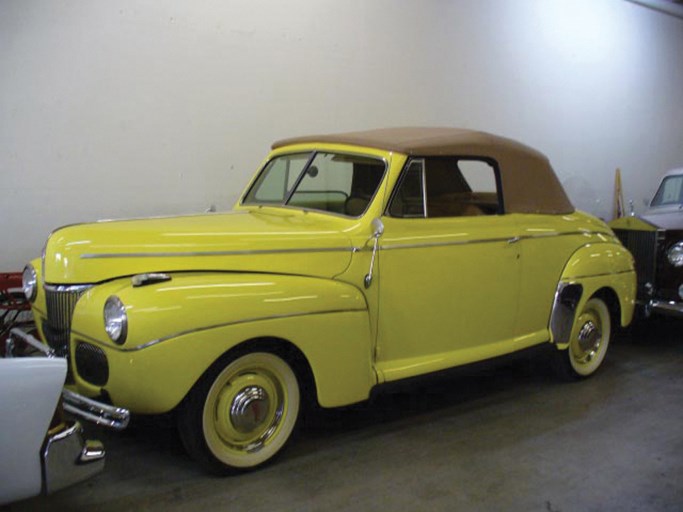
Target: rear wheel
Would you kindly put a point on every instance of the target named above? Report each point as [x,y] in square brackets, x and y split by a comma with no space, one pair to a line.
[588,344]
[241,412]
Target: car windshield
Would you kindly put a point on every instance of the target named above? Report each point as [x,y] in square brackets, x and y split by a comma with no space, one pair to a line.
[332,182]
[670,191]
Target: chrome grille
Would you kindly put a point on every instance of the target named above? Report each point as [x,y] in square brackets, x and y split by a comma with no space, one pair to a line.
[61,301]
[643,246]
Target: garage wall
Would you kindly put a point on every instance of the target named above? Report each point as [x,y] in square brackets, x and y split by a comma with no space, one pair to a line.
[131,108]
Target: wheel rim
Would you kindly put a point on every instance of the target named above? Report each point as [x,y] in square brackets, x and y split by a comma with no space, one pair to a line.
[250,409]
[590,338]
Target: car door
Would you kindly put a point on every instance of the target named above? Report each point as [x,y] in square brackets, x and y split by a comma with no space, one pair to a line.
[448,268]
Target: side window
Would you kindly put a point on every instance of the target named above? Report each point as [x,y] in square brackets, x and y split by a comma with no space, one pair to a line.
[446,187]
[460,187]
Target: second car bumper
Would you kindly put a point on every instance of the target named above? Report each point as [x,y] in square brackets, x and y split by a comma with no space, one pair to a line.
[667,308]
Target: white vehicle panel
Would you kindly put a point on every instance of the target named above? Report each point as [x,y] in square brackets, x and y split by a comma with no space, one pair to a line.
[29,392]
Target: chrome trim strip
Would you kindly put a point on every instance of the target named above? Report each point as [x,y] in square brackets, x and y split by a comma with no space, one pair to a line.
[604,274]
[311,249]
[214,253]
[444,244]
[208,328]
[487,240]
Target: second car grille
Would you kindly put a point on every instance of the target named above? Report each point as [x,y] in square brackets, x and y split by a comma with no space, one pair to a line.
[91,364]
[61,301]
[643,246]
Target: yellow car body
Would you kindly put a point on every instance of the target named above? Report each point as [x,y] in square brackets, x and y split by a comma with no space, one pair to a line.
[350,300]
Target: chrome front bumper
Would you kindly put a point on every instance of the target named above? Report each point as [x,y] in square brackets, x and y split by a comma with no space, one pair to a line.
[67,458]
[78,405]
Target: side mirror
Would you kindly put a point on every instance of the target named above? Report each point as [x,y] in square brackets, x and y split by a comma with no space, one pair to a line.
[377,227]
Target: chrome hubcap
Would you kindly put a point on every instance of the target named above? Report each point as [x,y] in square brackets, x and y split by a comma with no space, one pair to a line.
[249,409]
[589,339]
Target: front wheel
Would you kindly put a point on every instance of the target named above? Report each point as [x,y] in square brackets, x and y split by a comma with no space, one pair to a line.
[590,337]
[241,412]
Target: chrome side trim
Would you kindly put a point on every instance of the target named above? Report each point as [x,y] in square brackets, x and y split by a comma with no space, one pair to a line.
[318,250]
[391,247]
[90,339]
[487,240]
[215,253]
[605,274]
[94,411]
[567,297]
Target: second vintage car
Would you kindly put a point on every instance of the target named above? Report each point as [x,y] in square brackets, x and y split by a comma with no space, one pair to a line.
[656,241]
[351,260]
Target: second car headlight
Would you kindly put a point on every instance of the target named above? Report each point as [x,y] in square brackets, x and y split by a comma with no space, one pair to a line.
[29,282]
[675,254]
[115,320]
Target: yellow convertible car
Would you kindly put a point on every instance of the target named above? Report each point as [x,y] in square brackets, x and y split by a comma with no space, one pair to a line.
[350,261]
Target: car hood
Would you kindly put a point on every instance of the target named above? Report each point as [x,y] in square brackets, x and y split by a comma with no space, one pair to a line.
[665,218]
[263,240]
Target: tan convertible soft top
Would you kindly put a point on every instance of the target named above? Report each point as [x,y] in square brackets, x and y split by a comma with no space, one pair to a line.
[529,182]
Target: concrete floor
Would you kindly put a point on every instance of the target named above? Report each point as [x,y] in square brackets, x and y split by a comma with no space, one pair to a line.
[509,438]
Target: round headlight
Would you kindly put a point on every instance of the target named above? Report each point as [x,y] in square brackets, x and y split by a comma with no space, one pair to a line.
[675,254]
[115,320]
[29,282]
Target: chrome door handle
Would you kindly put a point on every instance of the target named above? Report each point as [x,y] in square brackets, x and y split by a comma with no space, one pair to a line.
[514,240]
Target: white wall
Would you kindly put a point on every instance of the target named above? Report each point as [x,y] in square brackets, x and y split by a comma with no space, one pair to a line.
[128,108]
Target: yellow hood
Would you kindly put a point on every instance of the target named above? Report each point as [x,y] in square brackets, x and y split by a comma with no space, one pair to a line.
[260,240]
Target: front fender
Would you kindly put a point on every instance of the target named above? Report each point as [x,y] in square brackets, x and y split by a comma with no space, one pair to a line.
[178,328]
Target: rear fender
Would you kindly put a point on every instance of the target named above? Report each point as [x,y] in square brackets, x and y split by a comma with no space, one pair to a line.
[592,268]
